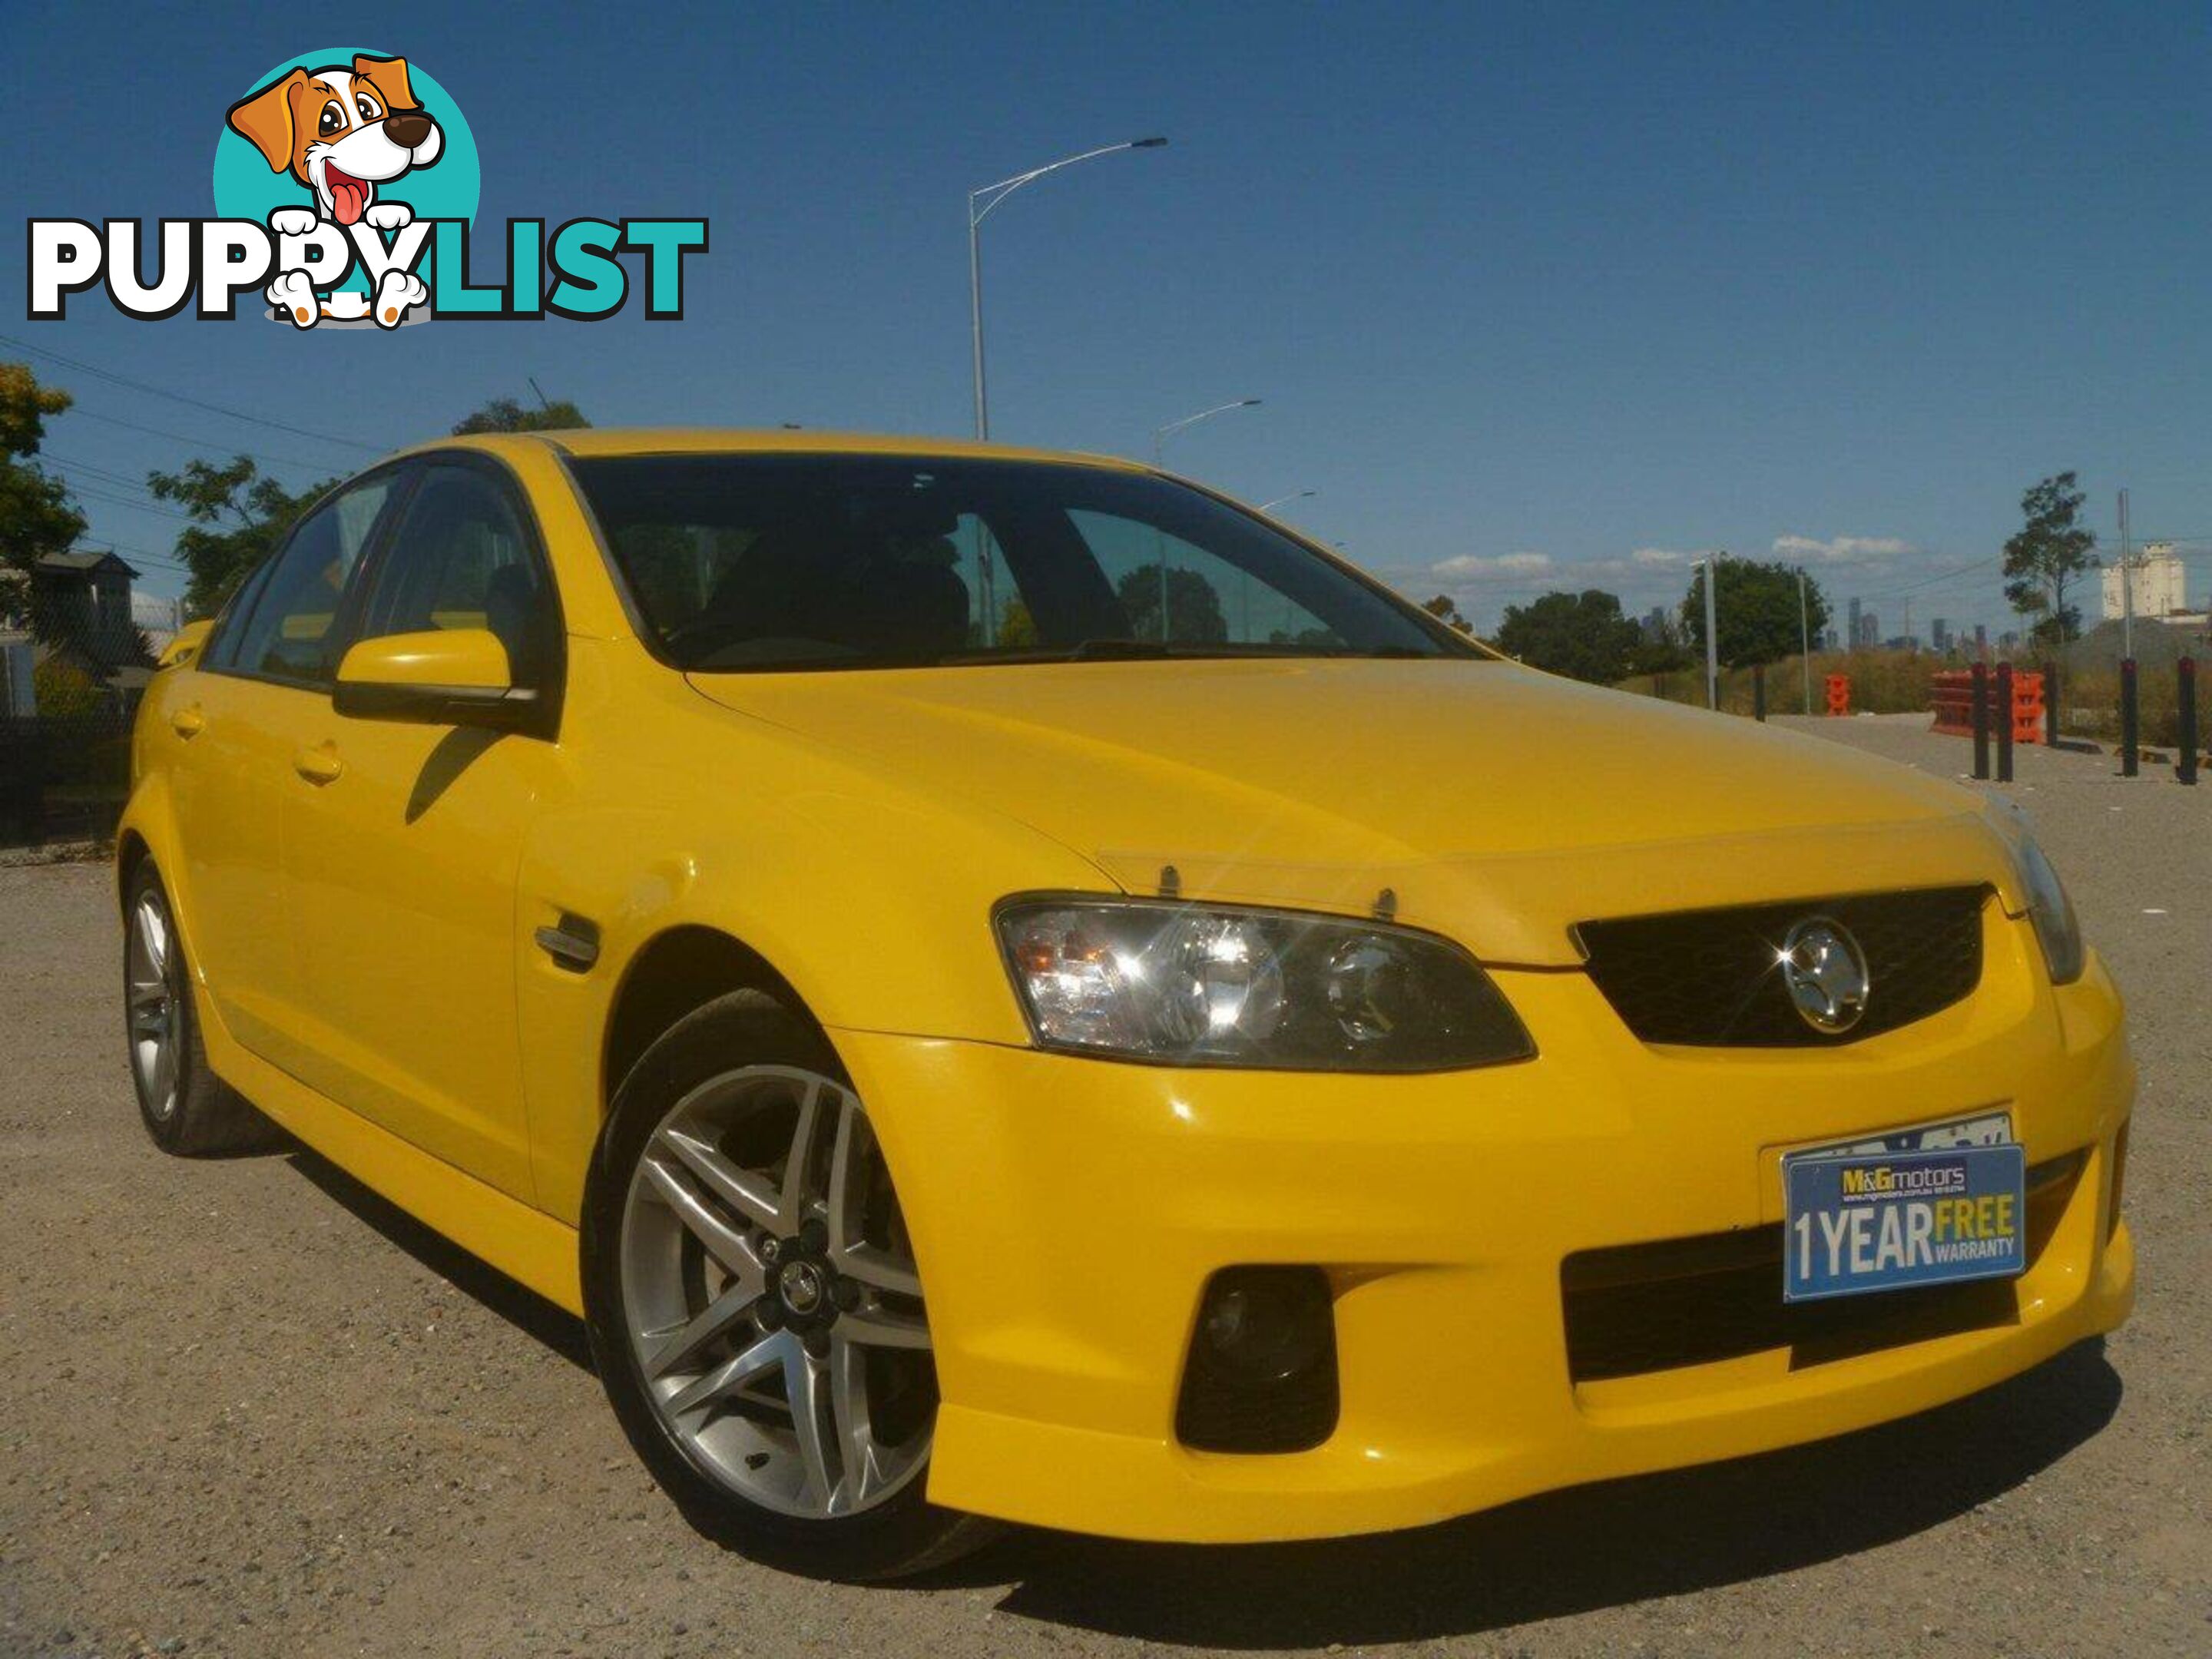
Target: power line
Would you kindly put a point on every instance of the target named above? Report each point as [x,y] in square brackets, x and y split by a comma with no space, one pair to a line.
[137,553]
[196,443]
[106,474]
[113,498]
[1930,580]
[180,398]
[101,544]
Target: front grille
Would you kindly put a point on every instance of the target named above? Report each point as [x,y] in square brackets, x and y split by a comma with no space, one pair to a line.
[1712,978]
[1642,1308]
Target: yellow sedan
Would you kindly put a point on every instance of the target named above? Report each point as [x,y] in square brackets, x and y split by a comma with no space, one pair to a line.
[1008,986]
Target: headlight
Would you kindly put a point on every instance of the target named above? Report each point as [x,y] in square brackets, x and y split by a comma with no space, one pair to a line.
[1205,985]
[2048,907]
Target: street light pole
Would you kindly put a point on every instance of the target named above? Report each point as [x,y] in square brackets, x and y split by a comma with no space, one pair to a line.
[975,317]
[1160,436]
[1805,639]
[1712,643]
[2127,589]
[1244,577]
[979,203]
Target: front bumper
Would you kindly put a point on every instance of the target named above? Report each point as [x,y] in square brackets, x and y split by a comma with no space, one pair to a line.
[1066,1212]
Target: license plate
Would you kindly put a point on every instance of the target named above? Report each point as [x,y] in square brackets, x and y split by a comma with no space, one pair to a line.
[1927,1207]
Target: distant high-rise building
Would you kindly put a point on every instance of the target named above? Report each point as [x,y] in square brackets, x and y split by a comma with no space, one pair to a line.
[1981,639]
[1869,630]
[1939,635]
[1852,631]
[1656,628]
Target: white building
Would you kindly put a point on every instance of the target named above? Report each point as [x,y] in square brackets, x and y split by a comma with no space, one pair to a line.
[157,616]
[2157,579]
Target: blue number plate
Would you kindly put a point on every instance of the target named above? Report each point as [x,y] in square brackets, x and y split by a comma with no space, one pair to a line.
[1863,1218]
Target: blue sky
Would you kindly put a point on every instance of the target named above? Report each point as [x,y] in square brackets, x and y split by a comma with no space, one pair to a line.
[1535,297]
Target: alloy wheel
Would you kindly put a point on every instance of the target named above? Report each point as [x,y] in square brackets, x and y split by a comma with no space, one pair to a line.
[154,997]
[772,1303]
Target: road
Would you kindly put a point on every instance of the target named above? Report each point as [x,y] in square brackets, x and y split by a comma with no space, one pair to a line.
[248,1408]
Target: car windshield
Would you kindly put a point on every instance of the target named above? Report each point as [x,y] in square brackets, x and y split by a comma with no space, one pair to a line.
[740,563]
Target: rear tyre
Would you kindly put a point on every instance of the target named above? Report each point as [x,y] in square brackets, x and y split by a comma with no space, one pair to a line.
[187,1109]
[754,1305]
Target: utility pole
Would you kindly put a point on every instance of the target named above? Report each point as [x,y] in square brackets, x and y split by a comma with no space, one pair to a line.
[1712,642]
[2127,589]
[1804,638]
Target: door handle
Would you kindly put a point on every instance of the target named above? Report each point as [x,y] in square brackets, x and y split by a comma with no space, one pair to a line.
[188,723]
[318,766]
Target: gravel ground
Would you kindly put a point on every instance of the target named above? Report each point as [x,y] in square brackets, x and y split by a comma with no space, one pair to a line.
[248,1408]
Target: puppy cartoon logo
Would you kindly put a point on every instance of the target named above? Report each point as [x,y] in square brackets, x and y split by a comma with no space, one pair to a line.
[341,130]
[346,188]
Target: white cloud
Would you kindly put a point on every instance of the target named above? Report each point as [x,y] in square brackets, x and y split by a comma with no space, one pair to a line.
[1483,583]
[1469,566]
[1841,550]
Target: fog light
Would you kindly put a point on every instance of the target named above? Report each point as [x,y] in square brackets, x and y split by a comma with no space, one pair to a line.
[1261,1373]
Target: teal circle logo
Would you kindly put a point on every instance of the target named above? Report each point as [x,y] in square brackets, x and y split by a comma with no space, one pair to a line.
[286,146]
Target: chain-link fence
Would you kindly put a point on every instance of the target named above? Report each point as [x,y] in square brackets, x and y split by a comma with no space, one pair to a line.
[63,777]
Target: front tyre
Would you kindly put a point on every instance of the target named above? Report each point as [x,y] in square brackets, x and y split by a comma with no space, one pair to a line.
[188,1110]
[753,1302]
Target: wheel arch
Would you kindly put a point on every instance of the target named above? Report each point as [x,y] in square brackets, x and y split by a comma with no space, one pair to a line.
[682,967]
[131,850]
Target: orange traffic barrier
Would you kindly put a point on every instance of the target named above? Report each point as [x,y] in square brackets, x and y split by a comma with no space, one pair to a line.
[1951,696]
[1840,694]
[2026,705]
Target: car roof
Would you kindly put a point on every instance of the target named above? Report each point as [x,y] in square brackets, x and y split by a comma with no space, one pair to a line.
[598,441]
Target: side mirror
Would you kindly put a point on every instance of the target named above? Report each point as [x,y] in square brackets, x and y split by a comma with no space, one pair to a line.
[183,645]
[440,676]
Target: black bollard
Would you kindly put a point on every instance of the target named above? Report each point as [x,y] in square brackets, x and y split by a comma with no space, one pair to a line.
[2128,766]
[2051,705]
[1981,672]
[2004,722]
[2185,719]
[1759,691]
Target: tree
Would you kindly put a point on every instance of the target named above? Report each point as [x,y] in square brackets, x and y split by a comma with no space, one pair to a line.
[1758,616]
[1660,654]
[1194,608]
[1018,628]
[1582,635]
[36,517]
[505,414]
[2047,553]
[1445,610]
[64,692]
[238,515]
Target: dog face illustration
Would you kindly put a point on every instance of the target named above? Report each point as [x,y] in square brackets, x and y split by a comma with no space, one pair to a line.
[341,132]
